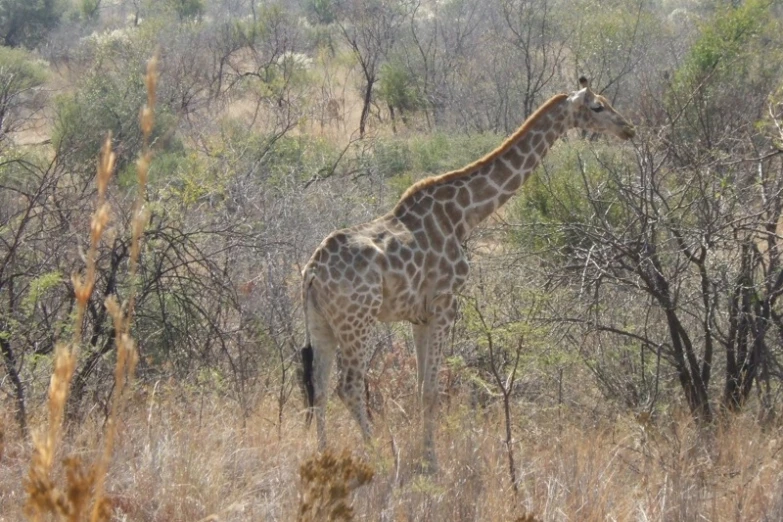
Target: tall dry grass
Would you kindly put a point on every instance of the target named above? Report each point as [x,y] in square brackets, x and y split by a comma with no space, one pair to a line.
[79,495]
[186,457]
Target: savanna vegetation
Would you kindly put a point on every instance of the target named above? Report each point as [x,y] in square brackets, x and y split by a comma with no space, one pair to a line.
[619,349]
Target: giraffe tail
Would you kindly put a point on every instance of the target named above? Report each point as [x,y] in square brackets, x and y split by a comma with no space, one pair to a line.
[307,382]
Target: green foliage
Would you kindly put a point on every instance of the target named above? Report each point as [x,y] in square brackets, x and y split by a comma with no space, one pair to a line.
[27,22]
[187,9]
[167,162]
[298,156]
[723,40]
[404,160]
[320,11]
[271,22]
[267,160]
[190,178]
[38,288]
[553,205]
[90,9]
[19,73]
[393,157]
[107,99]
[738,55]
[397,87]
[609,35]
[434,153]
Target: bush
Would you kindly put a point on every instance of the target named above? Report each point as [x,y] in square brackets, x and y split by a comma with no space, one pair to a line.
[27,22]
[397,87]
[20,75]
[553,204]
[188,9]
[105,101]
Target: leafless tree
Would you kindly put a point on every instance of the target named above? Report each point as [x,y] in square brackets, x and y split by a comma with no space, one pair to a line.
[371,29]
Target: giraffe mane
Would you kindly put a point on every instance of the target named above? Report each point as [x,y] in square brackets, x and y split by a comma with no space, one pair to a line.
[472,167]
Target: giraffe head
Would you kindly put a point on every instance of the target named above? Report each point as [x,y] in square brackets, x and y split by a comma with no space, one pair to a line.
[594,113]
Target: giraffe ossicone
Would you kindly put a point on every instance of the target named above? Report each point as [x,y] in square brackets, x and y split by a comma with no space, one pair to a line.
[408,264]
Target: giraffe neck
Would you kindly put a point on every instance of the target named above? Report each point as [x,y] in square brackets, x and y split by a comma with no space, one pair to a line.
[459,201]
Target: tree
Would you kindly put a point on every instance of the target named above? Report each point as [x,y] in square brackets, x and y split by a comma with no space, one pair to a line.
[27,22]
[444,40]
[681,233]
[370,28]
[20,78]
[399,90]
[533,31]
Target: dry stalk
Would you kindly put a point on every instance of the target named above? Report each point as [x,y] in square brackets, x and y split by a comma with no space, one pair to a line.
[72,502]
[43,494]
[140,212]
[127,355]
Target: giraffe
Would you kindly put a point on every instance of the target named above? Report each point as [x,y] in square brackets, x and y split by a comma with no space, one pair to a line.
[408,264]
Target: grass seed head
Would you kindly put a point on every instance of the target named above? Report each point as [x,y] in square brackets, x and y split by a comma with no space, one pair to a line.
[99,221]
[106,162]
[142,169]
[81,289]
[151,80]
[64,365]
[147,121]
[79,481]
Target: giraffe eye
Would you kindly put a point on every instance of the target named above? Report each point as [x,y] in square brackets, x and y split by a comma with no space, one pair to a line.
[597,108]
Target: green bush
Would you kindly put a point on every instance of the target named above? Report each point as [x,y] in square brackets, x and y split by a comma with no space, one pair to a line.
[736,58]
[397,87]
[188,9]
[105,101]
[28,22]
[405,160]
[554,203]
[392,157]
[296,157]
[320,11]
[429,154]
[722,40]
[258,159]
[90,9]
[19,74]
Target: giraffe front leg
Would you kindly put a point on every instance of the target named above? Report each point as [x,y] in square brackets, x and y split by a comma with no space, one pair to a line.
[434,339]
[421,340]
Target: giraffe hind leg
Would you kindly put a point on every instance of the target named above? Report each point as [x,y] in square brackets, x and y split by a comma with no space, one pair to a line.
[324,359]
[317,362]
[351,390]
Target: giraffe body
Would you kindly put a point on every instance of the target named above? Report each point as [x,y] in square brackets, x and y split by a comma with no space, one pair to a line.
[409,264]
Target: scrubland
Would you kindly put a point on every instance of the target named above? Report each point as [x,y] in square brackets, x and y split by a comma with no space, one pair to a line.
[626,302]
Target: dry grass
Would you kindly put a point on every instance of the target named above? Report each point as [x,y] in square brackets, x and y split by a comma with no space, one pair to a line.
[80,494]
[185,459]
